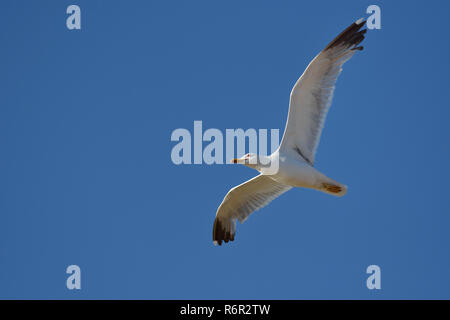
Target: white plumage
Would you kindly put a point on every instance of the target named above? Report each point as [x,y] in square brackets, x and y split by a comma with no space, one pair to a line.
[310,100]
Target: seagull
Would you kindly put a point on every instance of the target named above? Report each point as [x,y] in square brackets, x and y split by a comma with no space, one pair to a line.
[310,100]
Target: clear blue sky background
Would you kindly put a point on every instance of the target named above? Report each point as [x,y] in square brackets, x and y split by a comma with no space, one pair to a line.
[86,176]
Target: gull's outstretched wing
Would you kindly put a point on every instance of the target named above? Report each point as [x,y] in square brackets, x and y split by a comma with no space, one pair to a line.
[312,94]
[241,201]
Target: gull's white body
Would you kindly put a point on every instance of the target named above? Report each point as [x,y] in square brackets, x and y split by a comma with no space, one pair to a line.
[310,100]
[295,172]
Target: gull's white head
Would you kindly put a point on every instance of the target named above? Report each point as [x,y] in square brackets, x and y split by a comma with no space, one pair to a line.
[265,164]
[249,159]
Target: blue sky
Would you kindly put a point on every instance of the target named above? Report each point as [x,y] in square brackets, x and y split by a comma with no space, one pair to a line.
[86,176]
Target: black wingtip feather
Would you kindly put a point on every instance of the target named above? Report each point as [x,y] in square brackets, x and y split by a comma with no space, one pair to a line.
[351,36]
[219,233]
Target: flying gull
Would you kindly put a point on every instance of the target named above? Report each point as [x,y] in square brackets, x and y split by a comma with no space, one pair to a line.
[310,100]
